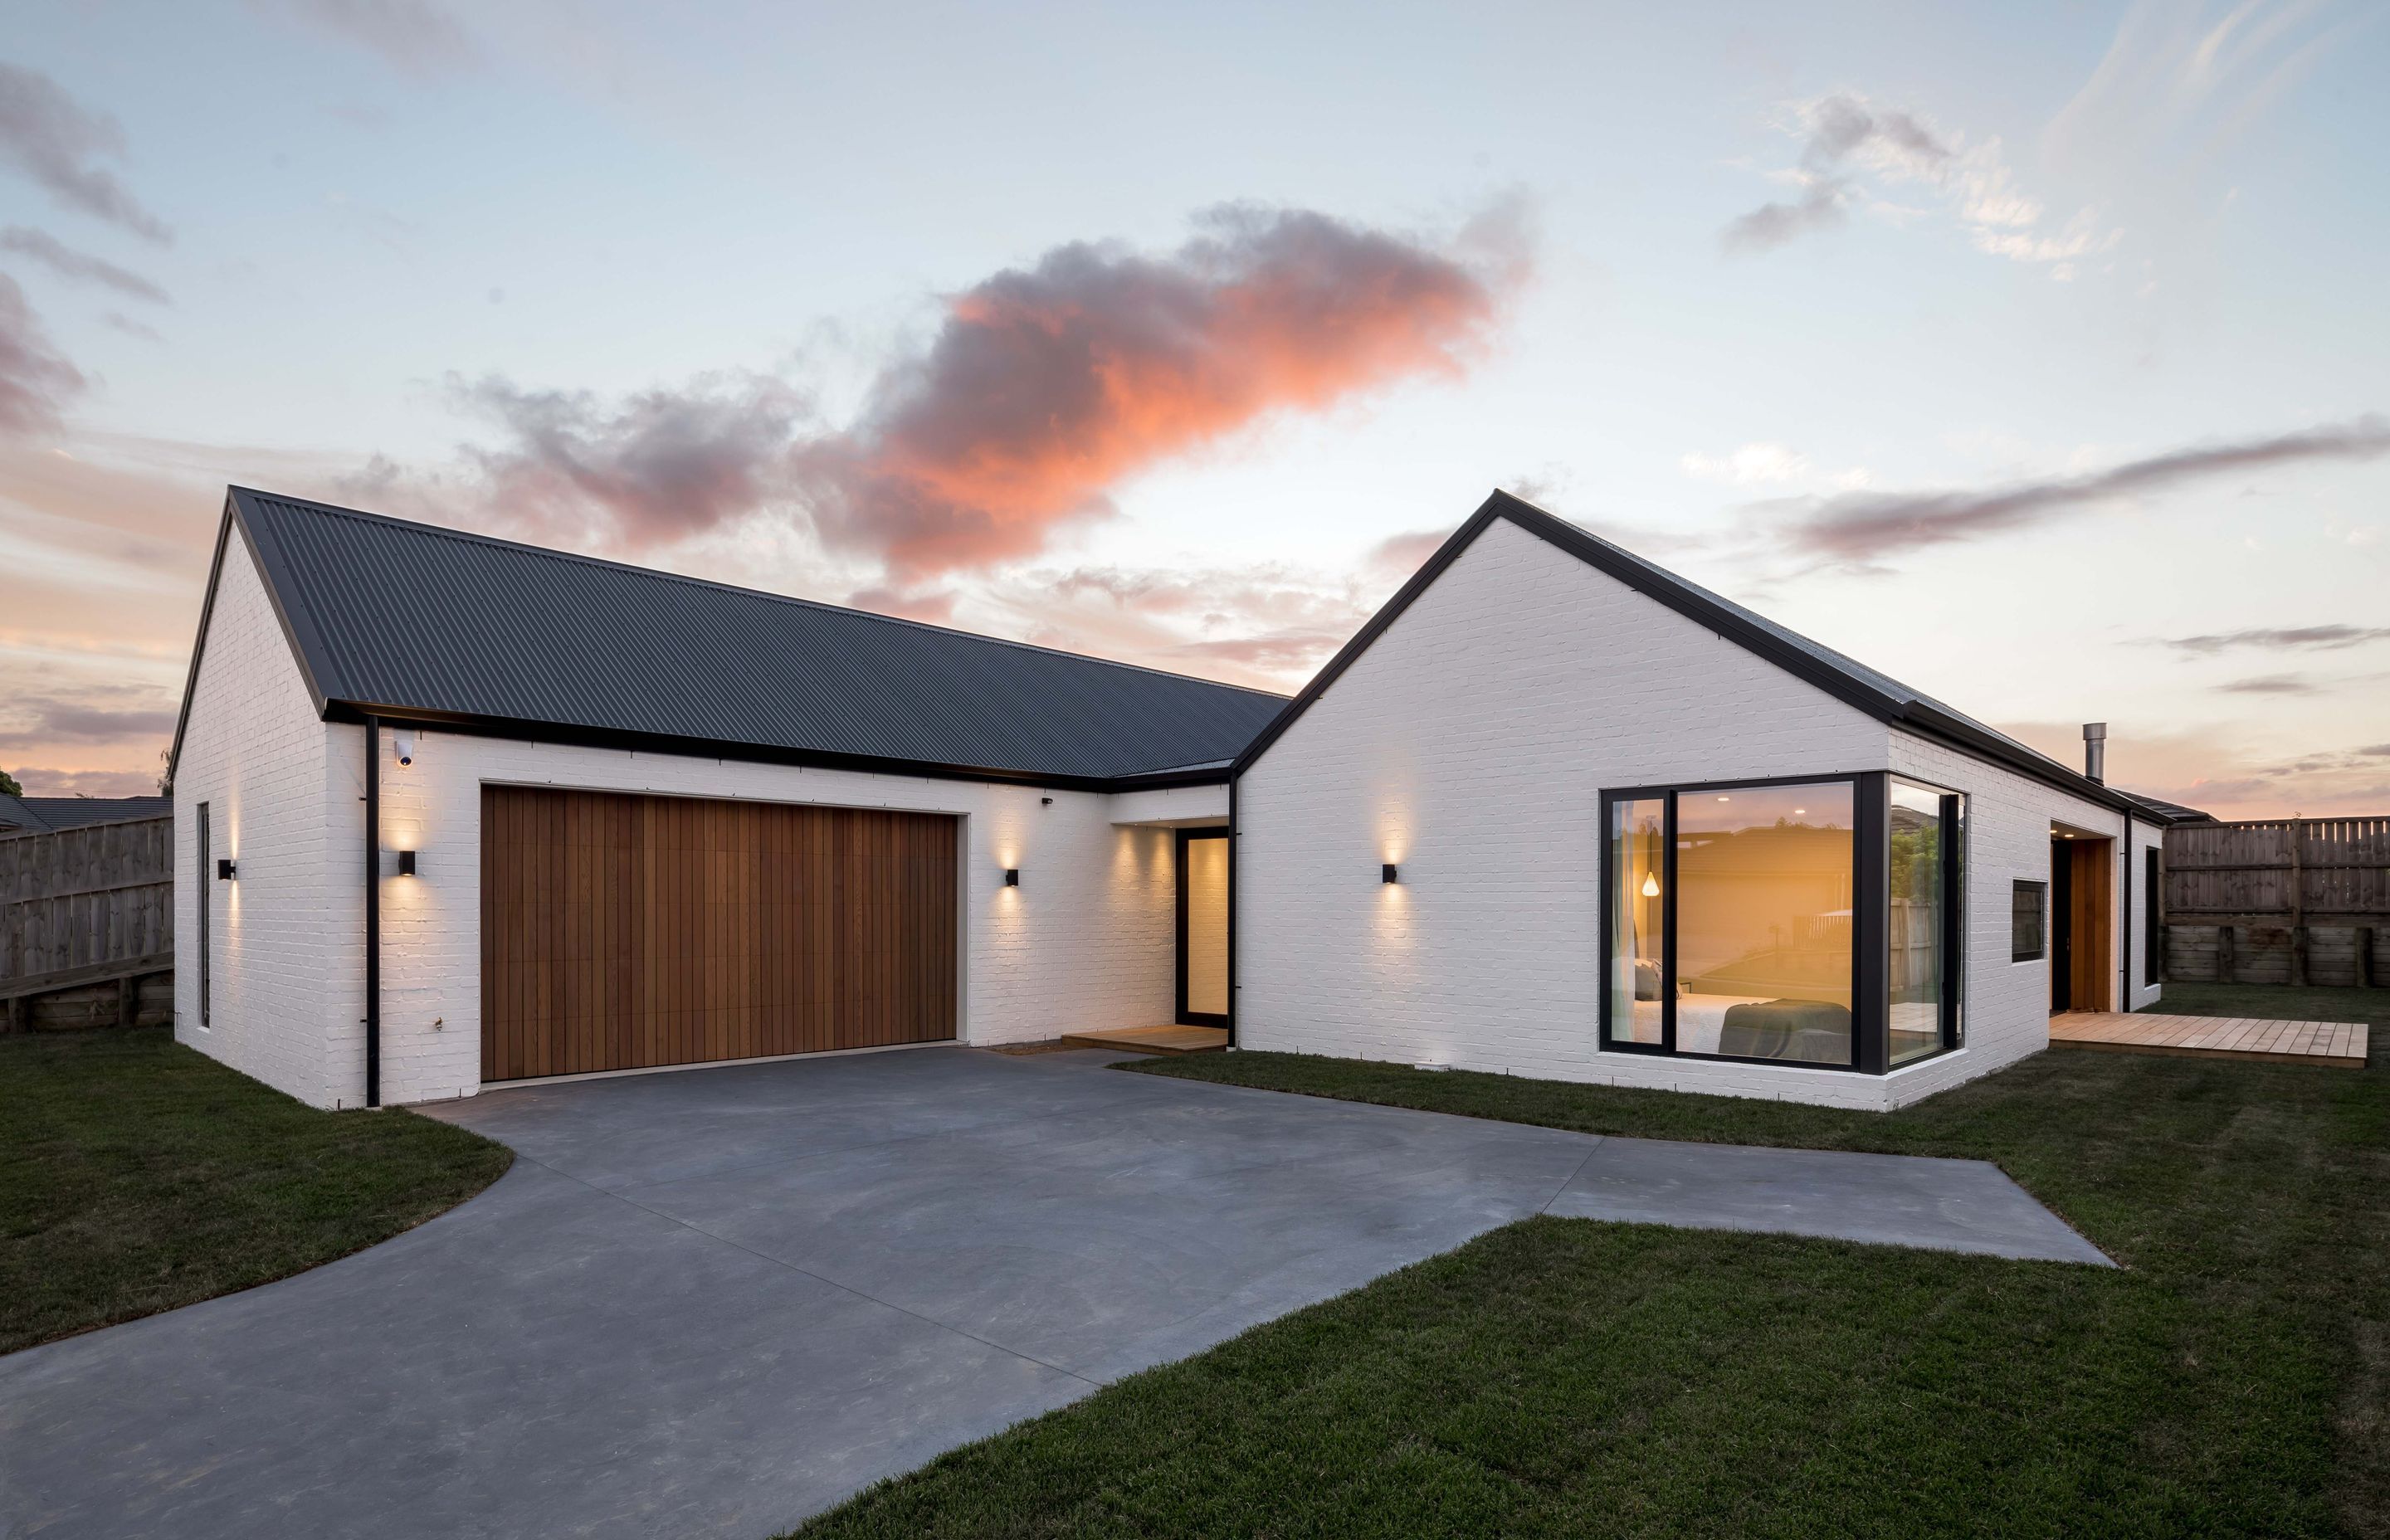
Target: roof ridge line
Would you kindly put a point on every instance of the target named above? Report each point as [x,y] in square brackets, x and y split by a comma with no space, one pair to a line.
[553,554]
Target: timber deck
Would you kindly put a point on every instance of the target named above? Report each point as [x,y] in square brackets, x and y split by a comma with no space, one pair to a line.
[2339,1044]
[1154,1039]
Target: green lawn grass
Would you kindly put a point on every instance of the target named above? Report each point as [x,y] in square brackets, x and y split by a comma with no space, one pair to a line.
[1565,1377]
[136,1175]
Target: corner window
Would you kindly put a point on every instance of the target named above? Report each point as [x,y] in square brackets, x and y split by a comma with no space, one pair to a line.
[1811,923]
[2028,921]
[1730,931]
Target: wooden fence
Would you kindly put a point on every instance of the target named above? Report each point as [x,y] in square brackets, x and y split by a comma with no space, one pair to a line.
[85,915]
[2279,901]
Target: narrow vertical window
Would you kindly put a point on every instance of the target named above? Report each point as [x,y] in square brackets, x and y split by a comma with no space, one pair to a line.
[201,894]
[1637,871]
[2152,915]
[1918,967]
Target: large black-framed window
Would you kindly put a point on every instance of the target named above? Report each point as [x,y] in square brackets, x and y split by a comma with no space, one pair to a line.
[1748,920]
[2029,920]
[202,891]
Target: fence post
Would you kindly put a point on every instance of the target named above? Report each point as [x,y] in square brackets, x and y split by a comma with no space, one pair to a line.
[2365,957]
[2224,969]
[2299,896]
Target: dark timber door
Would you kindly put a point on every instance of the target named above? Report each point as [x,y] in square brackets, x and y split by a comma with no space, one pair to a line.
[621,932]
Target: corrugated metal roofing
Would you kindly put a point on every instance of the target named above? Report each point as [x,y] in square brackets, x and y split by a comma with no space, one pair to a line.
[49,814]
[399,616]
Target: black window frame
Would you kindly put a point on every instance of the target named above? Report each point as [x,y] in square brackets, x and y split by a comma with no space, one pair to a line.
[1187,837]
[205,892]
[1870,920]
[2040,890]
[2152,915]
[1952,855]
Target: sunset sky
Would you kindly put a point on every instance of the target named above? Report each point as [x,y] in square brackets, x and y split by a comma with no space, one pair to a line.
[2036,354]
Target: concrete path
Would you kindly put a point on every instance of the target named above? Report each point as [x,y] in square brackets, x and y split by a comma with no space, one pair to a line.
[712,1303]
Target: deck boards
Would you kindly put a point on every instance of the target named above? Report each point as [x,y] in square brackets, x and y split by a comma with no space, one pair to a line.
[1154,1039]
[2340,1044]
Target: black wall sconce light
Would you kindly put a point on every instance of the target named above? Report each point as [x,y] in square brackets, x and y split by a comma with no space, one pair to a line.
[226,870]
[1386,873]
[407,863]
[1013,876]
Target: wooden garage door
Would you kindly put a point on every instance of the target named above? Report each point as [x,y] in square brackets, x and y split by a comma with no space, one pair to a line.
[624,931]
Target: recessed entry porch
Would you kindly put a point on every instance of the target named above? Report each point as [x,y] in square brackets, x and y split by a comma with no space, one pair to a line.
[1200,1023]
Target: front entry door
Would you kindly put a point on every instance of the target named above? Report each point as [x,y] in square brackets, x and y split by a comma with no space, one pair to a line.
[1204,927]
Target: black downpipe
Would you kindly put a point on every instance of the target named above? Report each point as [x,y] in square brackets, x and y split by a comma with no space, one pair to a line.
[1233,864]
[2124,924]
[373,911]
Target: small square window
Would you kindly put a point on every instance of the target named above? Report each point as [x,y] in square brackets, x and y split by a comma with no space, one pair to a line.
[2028,921]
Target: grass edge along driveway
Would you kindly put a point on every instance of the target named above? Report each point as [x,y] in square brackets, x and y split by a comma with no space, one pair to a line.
[1569,1377]
[137,1175]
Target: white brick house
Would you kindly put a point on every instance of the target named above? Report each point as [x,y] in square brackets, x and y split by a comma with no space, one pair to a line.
[455,812]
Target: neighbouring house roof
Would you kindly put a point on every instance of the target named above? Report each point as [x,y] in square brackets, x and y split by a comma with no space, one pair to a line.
[418,622]
[49,814]
[2161,811]
[1878,694]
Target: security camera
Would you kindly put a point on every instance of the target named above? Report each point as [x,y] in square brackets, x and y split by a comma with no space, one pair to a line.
[402,743]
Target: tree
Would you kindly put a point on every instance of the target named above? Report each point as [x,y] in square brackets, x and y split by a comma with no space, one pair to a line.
[8,786]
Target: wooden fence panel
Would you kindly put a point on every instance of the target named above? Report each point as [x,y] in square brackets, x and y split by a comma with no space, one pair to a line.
[84,905]
[2298,871]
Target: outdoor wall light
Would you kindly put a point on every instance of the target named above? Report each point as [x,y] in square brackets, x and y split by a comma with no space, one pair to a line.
[1387,874]
[402,745]
[1013,876]
[1651,885]
[226,870]
[407,863]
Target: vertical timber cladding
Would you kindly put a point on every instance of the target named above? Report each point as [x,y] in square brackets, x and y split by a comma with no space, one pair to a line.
[622,931]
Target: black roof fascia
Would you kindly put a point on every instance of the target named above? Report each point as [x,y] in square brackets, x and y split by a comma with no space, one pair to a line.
[754,754]
[1914,716]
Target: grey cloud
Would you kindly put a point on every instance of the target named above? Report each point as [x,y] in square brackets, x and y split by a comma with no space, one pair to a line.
[2377,749]
[1837,128]
[52,138]
[1858,527]
[659,466]
[2272,683]
[116,320]
[81,266]
[53,720]
[2318,638]
[35,379]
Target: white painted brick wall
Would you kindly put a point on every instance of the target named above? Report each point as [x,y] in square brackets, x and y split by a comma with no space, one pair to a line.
[1085,941]
[257,755]
[1470,744]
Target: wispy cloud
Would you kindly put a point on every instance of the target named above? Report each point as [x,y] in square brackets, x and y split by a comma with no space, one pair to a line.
[415,37]
[2272,683]
[36,381]
[78,266]
[1855,152]
[1859,528]
[54,140]
[2316,639]
[50,720]
[1748,465]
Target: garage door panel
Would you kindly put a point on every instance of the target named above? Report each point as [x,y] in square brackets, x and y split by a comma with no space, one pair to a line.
[625,931]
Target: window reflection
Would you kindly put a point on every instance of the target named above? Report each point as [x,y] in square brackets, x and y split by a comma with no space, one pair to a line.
[1637,830]
[1763,920]
[1915,935]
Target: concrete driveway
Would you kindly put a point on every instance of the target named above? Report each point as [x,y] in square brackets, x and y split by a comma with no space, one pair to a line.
[716,1301]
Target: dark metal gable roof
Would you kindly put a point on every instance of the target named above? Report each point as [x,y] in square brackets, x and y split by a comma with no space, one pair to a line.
[1877,694]
[414,621]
